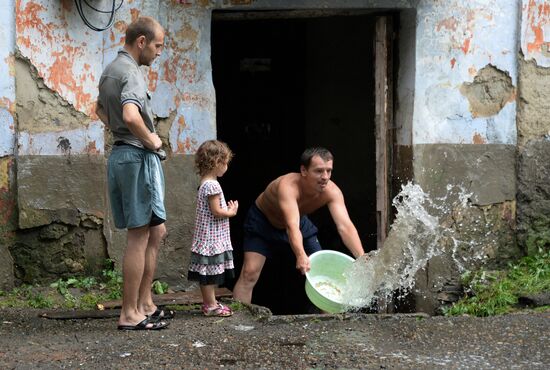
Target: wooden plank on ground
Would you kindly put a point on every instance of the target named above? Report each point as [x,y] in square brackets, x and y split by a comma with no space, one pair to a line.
[110,308]
[80,314]
[191,297]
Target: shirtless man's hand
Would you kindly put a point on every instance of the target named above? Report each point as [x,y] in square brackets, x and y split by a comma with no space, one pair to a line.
[302,264]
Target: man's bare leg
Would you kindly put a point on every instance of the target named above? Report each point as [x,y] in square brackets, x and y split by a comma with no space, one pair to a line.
[132,273]
[157,234]
[250,273]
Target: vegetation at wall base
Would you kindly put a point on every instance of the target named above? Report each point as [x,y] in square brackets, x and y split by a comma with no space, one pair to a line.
[497,292]
[73,292]
[160,287]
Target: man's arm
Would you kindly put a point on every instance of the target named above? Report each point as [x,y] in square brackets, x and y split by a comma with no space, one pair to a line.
[345,227]
[289,207]
[133,120]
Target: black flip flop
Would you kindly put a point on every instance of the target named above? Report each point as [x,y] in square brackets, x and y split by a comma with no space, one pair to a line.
[160,314]
[145,324]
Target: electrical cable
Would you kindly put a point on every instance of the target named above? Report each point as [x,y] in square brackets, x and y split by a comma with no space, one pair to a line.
[80,9]
[103,11]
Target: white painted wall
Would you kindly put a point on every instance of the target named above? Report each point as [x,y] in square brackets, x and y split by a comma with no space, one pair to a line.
[7,78]
[70,58]
[455,39]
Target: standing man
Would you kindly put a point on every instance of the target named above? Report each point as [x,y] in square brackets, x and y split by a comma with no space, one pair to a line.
[135,176]
[278,219]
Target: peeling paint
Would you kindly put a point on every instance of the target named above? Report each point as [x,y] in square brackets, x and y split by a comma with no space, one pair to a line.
[91,148]
[61,77]
[468,36]
[50,35]
[478,139]
[188,35]
[7,105]
[153,79]
[450,24]
[185,137]
[535,41]
[7,78]
[489,92]
[453,62]
[40,110]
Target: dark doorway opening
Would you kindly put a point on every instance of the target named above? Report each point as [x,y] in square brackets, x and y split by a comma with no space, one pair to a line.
[282,85]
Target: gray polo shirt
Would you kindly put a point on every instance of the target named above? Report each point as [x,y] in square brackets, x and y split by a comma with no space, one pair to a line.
[122,82]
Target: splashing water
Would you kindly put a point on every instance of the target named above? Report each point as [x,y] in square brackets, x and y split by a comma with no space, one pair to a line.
[416,235]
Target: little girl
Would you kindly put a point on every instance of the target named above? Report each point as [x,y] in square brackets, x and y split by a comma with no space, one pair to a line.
[212,253]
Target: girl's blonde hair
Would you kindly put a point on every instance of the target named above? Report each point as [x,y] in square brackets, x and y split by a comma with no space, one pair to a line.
[210,154]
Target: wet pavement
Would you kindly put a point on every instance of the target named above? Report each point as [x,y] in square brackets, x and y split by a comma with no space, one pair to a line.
[255,340]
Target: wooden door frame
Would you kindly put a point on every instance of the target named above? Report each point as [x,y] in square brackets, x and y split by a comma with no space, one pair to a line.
[383,71]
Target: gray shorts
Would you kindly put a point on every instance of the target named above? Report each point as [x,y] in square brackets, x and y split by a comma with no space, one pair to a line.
[136,187]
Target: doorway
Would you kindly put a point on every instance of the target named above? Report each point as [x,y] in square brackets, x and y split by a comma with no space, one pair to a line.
[283,84]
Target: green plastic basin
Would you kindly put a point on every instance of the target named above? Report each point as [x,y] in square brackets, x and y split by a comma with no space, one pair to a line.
[325,280]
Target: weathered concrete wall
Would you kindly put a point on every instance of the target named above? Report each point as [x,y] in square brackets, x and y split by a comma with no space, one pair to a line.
[61,215]
[484,231]
[8,222]
[60,223]
[534,127]
[54,62]
[464,131]
[8,209]
[60,164]
[457,86]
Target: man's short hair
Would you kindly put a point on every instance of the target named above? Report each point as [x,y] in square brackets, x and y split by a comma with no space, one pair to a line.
[143,26]
[325,154]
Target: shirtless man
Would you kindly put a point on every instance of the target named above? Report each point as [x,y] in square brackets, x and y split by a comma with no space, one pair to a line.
[279,218]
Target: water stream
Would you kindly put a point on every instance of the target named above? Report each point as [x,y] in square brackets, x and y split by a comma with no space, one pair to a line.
[417,234]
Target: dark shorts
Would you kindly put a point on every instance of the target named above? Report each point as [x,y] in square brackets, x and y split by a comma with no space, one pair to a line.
[261,237]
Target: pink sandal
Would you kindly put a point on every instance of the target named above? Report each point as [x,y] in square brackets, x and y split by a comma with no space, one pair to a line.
[218,310]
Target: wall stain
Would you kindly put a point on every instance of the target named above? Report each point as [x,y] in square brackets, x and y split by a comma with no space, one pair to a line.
[7,195]
[64,145]
[478,139]
[448,23]
[453,62]
[8,104]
